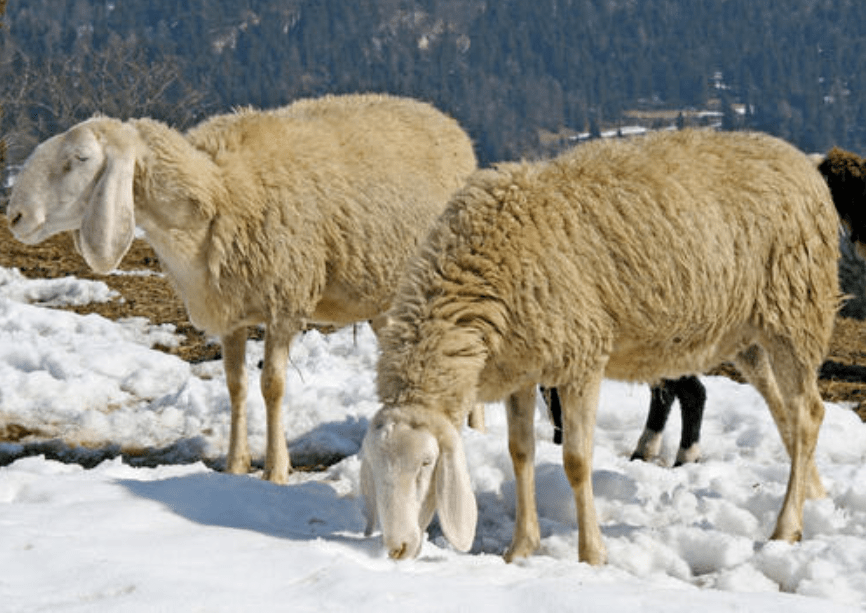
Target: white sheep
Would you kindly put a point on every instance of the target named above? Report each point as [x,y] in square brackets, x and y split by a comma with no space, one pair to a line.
[636,260]
[301,215]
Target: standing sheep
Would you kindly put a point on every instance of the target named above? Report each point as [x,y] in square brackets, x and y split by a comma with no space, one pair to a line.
[305,214]
[637,260]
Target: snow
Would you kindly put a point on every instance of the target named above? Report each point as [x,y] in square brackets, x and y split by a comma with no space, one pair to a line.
[168,531]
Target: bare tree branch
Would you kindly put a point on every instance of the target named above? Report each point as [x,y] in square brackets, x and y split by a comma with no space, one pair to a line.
[119,80]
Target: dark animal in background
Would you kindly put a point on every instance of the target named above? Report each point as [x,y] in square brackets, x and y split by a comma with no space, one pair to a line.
[692,396]
[845,174]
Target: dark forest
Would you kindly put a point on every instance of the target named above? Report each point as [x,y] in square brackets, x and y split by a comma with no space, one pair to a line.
[523,78]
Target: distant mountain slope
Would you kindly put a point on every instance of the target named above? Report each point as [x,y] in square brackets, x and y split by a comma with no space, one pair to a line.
[511,71]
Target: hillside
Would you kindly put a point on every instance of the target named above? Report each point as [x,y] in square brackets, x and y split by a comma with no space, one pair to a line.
[512,72]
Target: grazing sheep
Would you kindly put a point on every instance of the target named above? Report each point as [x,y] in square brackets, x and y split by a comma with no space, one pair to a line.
[635,260]
[692,396]
[301,215]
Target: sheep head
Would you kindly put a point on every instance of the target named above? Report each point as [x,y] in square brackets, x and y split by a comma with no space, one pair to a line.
[411,469]
[80,181]
[845,174]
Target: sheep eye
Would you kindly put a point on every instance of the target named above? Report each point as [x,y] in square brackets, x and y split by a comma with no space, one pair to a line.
[75,159]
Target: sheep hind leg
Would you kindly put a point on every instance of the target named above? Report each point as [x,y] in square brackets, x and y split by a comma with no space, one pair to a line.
[273,385]
[789,526]
[662,398]
[692,396]
[579,407]
[234,355]
[800,386]
[754,364]
[521,445]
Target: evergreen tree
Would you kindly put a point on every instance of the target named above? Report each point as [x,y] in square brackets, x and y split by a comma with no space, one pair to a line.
[507,70]
[3,139]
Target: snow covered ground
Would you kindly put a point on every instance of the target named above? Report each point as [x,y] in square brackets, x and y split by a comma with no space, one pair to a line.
[179,536]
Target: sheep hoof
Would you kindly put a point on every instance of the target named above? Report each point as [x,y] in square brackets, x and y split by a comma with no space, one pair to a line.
[238,466]
[276,476]
[793,538]
[648,446]
[594,558]
[786,531]
[521,549]
[688,455]
[590,547]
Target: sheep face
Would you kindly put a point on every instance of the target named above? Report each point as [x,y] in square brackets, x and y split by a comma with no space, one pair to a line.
[47,196]
[407,474]
[77,181]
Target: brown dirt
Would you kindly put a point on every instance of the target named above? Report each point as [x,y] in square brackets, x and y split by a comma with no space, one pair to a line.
[842,377]
[151,297]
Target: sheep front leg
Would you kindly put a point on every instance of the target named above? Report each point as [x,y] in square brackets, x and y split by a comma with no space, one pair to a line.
[521,445]
[234,356]
[273,384]
[579,406]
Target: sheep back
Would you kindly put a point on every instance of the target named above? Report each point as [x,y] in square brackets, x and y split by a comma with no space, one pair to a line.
[324,201]
[662,255]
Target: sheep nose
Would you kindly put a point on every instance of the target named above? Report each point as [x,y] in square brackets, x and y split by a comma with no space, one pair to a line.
[16,217]
[399,552]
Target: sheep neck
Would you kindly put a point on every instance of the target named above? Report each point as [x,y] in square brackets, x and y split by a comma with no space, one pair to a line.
[172,208]
[434,365]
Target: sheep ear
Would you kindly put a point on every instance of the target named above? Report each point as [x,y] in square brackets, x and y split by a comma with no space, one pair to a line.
[428,509]
[458,512]
[368,490]
[108,224]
